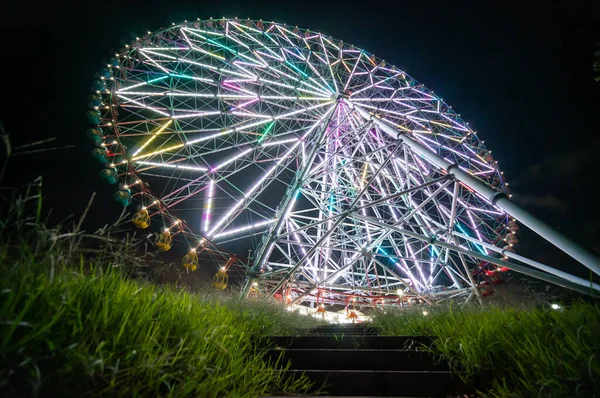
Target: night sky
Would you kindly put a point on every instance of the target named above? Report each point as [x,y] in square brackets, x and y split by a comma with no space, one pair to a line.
[520,75]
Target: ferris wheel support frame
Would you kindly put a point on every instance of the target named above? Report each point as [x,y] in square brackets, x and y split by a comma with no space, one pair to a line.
[565,280]
[265,249]
[573,283]
[340,217]
[498,199]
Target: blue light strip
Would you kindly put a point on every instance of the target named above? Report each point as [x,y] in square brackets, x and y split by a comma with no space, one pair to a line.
[157,79]
[296,69]
[393,260]
[474,244]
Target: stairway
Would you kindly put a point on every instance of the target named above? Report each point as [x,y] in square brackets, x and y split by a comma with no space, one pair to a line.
[353,360]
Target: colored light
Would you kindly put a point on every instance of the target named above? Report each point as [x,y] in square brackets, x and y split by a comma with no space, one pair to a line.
[465,232]
[152,137]
[264,134]
[157,79]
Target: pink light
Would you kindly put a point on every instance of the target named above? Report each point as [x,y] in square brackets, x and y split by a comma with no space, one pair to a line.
[246,103]
[231,85]
[237,88]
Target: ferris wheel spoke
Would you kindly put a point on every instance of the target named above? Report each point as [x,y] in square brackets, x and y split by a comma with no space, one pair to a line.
[142,105]
[249,195]
[293,69]
[172,165]
[198,49]
[353,71]
[148,59]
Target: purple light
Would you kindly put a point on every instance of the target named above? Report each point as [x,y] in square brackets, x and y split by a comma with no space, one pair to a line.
[246,104]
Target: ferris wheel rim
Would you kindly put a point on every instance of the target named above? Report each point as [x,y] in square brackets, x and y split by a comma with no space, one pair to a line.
[321,100]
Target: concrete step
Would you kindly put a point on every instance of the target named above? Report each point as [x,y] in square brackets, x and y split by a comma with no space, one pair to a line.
[351,342]
[383,383]
[357,359]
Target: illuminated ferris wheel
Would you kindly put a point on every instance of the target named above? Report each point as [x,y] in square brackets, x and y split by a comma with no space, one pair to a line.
[362,182]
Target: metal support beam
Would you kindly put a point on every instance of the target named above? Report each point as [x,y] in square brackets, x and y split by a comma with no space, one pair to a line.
[265,250]
[498,199]
[591,289]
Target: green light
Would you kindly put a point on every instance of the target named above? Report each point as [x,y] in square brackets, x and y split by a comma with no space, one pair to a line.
[157,79]
[393,260]
[264,134]
[331,200]
[296,69]
[181,76]
[434,251]
[216,43]
[474,244]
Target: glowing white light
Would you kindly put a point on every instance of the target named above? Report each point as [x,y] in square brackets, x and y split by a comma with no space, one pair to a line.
[172,166]
[267,174]
[211,188]
[273,74]
[144,105]
[272,143]
[232,159]
[200,114]
[243,229]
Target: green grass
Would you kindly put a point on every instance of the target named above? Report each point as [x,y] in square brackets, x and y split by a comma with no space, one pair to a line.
[512,353]
[73,328]
[95,332]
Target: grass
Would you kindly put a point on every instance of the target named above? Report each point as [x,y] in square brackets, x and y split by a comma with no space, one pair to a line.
[510,352]
[95,332]
[74,323]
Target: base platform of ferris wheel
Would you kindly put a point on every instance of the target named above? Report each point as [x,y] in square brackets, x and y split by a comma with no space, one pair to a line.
[354,361]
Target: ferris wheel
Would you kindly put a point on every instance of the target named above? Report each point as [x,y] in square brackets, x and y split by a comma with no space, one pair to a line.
[356,180]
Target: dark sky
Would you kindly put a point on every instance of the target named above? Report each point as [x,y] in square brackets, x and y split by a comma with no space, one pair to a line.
[520,74]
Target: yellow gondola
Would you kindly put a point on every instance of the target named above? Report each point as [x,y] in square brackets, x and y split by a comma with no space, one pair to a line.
[141,219]
[164,241]
[220,280]
[190,261]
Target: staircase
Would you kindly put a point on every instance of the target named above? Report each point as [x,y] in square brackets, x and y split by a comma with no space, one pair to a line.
[353,360]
